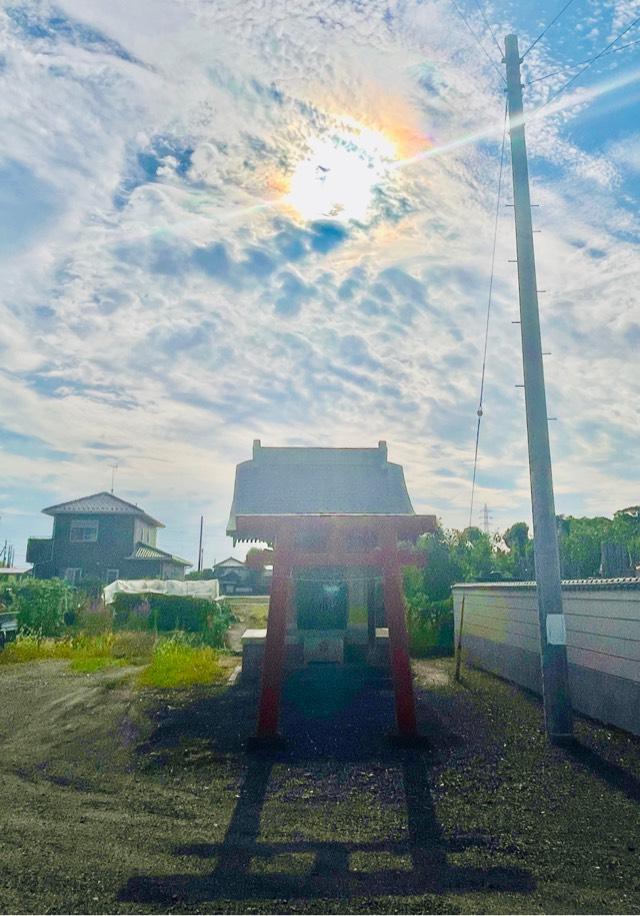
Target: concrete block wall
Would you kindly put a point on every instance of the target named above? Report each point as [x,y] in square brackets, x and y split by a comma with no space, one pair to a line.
[501,635]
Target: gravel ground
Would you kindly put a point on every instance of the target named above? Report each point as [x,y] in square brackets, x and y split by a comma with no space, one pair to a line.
[119,800]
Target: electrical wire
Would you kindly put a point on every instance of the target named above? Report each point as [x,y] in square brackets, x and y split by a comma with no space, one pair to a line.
[486,329]
[478,41]
[591,61]
[488,25]
[546,29]
[579,63]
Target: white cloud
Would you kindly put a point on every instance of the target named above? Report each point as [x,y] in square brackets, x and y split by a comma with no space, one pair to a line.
[170,309]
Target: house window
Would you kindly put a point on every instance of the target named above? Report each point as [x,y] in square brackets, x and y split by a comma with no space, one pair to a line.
[112,575]
[83,530]
[73,575]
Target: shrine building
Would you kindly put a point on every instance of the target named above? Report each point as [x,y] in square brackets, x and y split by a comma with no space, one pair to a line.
[339,526]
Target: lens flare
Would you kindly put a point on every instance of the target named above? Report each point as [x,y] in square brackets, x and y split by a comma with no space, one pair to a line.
[338,176]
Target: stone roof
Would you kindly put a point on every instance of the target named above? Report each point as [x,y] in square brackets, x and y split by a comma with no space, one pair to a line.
[147,552]
[101,504]
[312,481]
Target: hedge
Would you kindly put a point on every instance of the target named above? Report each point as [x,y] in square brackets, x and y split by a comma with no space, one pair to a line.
[173,612]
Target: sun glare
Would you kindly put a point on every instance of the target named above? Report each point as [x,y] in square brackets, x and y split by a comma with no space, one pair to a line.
[338,177]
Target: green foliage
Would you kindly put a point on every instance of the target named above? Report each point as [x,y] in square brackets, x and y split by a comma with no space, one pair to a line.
[40,604]
[87,652]
[431,629]
[442,567]
[430,623]
[178,662]
[30,647]
[518,562]
[93,619]
[89,664]
[198,575]
[166,613]
[589,547]
[581,541]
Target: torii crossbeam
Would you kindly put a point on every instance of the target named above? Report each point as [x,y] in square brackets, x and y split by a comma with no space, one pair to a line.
[372,541]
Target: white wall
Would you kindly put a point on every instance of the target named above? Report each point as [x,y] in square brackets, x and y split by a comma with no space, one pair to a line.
[603,641]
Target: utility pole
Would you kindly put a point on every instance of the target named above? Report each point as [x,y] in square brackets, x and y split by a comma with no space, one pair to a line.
[553,641]
[200,544]
[114,468]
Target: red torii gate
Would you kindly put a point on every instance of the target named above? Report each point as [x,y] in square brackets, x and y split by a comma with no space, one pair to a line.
[367,540]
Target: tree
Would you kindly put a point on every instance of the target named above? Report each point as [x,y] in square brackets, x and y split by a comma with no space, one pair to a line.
[520,556]
[441,569]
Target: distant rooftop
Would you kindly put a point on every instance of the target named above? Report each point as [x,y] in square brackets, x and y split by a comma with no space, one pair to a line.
[313,481]
[147,552]
[101,504]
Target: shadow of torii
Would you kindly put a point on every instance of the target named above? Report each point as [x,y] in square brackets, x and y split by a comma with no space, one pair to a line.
[331,714]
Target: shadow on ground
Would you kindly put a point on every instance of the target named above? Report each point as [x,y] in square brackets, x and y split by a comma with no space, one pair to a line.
[334,718]
[616,776]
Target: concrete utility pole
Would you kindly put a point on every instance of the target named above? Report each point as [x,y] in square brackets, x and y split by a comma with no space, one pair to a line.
[553,641]
[200,544]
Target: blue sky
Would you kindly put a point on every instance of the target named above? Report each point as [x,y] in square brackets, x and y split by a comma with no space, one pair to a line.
[222,221]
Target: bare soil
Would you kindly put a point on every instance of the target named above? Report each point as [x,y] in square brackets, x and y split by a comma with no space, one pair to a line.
[120,800]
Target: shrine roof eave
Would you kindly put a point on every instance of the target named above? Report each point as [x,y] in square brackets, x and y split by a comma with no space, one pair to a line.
[267,527]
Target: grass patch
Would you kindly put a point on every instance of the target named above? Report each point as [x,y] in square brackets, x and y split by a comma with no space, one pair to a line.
[30,647]
[87,664]
[176,662]
[87,652]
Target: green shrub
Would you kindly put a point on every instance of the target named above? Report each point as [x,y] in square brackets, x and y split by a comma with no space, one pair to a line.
[177,662]
[166,613]
[40,604]
[431,628]
[93,619]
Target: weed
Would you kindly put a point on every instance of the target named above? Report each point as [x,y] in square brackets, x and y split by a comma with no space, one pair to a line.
[87,664]
[133,645]
[31,646]
[176,662]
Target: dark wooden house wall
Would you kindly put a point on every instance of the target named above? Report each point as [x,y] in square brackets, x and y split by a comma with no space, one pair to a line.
[114,543]
[117,537]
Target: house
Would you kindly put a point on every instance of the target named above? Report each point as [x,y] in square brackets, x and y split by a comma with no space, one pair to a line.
[13,573]
[102,537]
[234,577]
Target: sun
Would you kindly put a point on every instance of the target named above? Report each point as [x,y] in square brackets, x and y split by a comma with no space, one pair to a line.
[338,177]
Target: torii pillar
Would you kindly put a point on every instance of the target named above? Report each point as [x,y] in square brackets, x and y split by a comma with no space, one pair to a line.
[337,550]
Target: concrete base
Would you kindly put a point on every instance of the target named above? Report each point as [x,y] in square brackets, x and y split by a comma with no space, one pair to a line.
[378,654]
[323,646]
[253,642]
[306,647]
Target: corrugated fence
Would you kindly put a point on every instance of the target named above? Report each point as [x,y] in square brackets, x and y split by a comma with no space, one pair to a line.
[500,634]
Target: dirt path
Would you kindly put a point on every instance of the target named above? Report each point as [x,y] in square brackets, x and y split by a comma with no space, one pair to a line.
[251,613]
[115,800]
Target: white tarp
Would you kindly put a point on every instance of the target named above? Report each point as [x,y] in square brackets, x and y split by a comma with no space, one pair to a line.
[194,588]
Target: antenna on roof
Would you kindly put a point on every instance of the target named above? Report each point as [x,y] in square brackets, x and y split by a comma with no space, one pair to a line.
[114,468]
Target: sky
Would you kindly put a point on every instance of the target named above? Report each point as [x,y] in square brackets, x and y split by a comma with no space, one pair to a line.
[223,220]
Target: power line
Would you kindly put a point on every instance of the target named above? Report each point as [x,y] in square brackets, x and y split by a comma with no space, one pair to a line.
[478,41]
[579,63]
[486,329]
[488,25]
[546,29]
[589,63]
